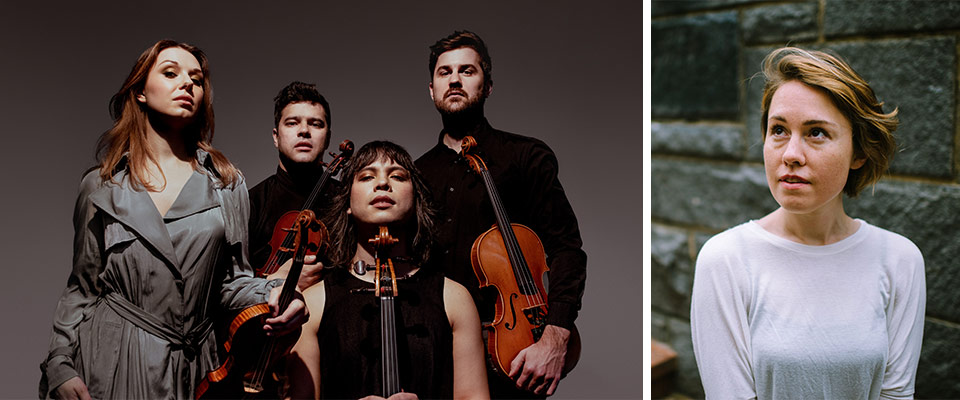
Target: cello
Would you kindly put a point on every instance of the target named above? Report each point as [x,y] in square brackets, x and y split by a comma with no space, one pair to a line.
[250,352]
[512,261]
[283,236]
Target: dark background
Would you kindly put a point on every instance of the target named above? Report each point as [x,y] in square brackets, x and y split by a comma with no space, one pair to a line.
[568,73]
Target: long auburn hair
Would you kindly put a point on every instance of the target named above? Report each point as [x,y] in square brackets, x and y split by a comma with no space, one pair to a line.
[129,132]
[342,228]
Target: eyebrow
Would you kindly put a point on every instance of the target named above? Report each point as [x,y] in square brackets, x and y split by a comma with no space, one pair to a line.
[805,123]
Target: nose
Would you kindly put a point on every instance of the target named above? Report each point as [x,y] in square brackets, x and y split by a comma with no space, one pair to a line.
[303,130]
[383,183]
[455,79]
[187,84]
[793,153]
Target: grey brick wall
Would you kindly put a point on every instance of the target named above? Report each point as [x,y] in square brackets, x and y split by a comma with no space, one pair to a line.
[705,139]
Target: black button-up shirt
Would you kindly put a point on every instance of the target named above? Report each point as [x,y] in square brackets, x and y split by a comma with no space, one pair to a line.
[525,172]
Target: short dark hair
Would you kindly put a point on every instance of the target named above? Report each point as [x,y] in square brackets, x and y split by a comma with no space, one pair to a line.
[297,92]
[343,231]
[460,39]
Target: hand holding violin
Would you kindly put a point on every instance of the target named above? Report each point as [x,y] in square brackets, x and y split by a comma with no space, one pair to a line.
[292,318]
[542,362]
[309,276]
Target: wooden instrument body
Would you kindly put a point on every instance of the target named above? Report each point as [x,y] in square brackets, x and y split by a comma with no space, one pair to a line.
[281,242]
[514,262]
[281,239]
[250,352]
[520,315]
[247,327]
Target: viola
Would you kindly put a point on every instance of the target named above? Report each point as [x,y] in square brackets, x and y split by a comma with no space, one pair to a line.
[510,257]
[251,353]
[283,236]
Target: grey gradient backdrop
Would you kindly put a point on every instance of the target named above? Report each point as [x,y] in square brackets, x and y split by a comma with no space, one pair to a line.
[568,73]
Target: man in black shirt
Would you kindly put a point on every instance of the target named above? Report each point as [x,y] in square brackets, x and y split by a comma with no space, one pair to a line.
[525,172]
[301,134]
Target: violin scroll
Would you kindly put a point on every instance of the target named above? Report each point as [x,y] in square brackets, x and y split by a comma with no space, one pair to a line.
[468,146]
[346,150]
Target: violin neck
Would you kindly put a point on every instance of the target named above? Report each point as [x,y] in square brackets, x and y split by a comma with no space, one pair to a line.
[388,348]
[316,190]
[517,261]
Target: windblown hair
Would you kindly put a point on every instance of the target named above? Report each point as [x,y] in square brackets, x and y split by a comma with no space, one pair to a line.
[872,128]
[460,39]
[342,228]
[297,92]
[129,132]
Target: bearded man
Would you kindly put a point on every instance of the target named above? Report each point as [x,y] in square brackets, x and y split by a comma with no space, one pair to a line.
[524,170]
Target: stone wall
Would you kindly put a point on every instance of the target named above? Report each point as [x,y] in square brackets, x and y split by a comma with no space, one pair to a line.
[706,145]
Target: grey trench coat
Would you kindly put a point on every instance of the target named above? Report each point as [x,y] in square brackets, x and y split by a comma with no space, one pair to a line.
[134,320]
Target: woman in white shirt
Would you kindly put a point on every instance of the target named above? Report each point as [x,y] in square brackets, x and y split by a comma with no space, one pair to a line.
[808,302]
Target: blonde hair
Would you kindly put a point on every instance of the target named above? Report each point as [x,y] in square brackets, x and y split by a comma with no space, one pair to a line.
[872,128]
[129,133]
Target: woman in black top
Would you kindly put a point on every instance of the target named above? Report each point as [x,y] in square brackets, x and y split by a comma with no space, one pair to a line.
[439,346]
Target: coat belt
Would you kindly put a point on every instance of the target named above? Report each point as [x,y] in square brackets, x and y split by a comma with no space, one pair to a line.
[189,342]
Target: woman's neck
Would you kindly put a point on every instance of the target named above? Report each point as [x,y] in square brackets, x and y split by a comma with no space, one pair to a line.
[367,253]
[166,141]
[821,227]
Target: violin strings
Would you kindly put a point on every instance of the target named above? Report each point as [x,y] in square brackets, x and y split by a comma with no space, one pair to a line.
[524,278]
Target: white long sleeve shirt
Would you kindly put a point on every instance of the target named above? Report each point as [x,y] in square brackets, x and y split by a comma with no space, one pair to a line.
[776,319]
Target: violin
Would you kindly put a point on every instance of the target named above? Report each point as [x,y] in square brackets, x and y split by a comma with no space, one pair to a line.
[510,257]
[251,353]
[283,236]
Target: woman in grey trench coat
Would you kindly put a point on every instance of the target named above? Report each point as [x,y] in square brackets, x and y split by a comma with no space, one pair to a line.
[159,245]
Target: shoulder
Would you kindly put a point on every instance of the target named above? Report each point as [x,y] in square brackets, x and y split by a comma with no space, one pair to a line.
[521,142]
[896,243]
[455,294]
[726,244]
[901,255]
[432,156]
[90,182]
[315,297]
[263,185]
[458,304]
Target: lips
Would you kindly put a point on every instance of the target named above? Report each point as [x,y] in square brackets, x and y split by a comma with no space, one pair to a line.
[382,202]
[793,182]
[303,146]
[793,179]
[455,92]
[184,98]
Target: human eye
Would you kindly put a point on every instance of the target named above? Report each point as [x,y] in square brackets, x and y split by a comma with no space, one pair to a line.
[443,71]
[400,175]
[469,71]
[778,131]
[818,133]
[169,74]
[317,124]
[363,177]
[197,80]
